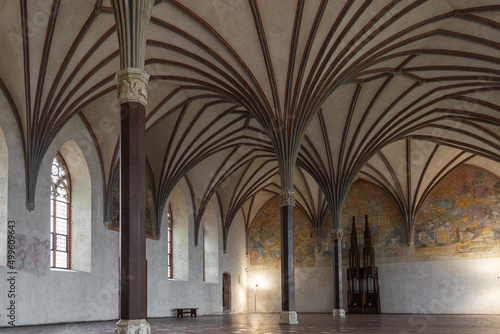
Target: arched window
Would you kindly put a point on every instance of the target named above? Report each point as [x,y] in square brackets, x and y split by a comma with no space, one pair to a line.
[169,241]
[60,215]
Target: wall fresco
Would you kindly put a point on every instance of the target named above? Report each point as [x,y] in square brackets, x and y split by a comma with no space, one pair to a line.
[364,198]
[460,218]
[265,240]
[32,255]
[384,217]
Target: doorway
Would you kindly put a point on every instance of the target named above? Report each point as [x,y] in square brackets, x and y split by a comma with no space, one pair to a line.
[226,292]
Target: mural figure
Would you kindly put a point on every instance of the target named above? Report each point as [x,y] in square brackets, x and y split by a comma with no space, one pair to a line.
[460,217]
[265,236]
[386,222]
[465,233]
[494,219]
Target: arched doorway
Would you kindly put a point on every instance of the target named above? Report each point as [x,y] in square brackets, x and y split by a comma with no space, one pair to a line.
[226,292]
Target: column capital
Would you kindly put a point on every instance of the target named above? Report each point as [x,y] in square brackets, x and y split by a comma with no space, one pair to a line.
[131,84]
[287,197]
[337,234]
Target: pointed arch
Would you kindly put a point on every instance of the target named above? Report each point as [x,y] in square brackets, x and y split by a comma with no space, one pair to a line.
[81,206]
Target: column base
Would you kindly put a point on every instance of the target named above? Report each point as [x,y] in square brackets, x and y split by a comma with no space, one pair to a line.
[338,313]
[135,326]
[288,318]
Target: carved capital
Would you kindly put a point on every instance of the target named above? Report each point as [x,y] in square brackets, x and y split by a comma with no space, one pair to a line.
[131,84]
[287,198]
[337,234]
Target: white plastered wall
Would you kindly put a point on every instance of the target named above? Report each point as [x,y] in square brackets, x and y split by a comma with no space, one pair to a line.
[164,294]
[211,245]
[49,296]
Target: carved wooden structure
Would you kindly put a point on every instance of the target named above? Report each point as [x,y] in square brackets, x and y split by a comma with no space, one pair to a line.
[363,294]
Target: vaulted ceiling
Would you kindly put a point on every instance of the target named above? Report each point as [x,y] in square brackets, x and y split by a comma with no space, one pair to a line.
[395,92]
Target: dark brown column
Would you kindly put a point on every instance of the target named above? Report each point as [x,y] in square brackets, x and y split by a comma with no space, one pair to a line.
[132,19]
[338,293]
[287,265]
[288,314]
[133,302]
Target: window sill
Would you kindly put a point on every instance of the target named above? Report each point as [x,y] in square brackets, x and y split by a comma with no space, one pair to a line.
[64,270]
[177,279]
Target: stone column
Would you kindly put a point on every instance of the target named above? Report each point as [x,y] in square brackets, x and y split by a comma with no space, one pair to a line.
[338,293]
[132,19]
[288,314]
[133,290]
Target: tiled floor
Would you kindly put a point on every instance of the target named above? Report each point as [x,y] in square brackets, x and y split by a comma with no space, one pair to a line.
[308,323]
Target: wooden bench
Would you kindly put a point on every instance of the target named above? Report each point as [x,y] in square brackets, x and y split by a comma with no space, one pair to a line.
[182,311]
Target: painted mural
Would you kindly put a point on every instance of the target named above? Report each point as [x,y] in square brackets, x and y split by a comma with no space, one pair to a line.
[150,207]
[460,218]
[384,217]
[265,240]
[364,198]
[32,255]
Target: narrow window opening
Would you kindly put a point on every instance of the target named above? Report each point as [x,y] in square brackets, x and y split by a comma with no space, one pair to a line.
[60,215]
[170,241]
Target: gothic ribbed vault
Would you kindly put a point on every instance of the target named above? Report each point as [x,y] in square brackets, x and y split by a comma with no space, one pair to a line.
[395,92]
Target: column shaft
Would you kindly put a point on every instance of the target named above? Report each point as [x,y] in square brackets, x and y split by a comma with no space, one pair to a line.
[133,297]
[338,293]
[337,275]
[287,265]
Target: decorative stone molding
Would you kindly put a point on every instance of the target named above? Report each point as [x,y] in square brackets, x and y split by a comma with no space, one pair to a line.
[287,198]
[131,84]
[136,326]
[288,318]
[338,313]
[337,234]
